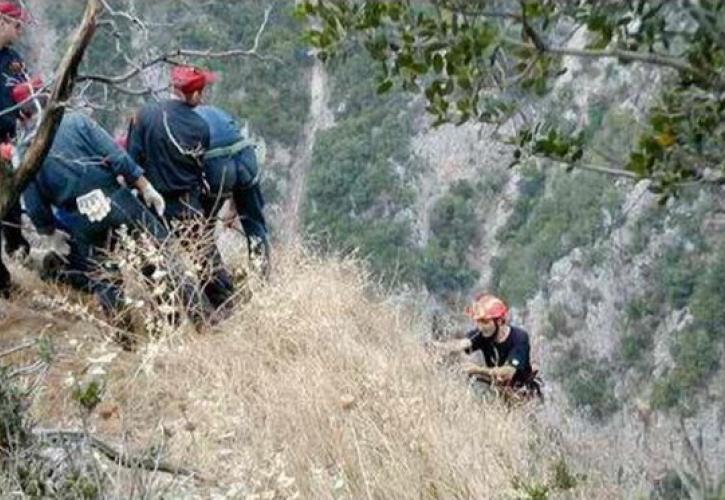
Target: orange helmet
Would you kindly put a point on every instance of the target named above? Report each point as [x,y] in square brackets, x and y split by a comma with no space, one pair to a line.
[486,306]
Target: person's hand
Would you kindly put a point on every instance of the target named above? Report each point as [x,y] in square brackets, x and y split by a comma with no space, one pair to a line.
[153,198]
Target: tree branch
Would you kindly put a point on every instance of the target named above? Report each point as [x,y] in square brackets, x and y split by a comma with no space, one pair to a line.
[619,172]
[625,55]
[117,456]
[64,79]
[169,57]
[17,348]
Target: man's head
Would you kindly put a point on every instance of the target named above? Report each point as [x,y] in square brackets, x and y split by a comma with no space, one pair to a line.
[189,82]
[489,313]
[12,20]
[28,95]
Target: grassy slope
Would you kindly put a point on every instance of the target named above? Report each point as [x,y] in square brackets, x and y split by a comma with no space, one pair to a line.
[317,386]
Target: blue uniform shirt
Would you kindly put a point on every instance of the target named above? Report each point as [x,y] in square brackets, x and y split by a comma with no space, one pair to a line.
[83,157]
[168,140]
[227,172]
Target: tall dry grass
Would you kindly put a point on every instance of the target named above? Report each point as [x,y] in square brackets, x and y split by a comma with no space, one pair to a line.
[318,388]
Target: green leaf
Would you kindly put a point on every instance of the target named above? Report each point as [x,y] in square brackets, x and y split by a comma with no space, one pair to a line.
[384,86]
[438,63]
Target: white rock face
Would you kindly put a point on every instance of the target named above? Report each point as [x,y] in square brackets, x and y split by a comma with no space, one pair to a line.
[594,295]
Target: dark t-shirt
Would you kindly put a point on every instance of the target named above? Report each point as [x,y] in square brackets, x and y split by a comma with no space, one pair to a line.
[168,139]
[514,351]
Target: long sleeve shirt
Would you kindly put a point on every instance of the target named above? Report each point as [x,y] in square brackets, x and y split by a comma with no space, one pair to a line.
[83,158]
[11,73]
[168,139]
[239,169]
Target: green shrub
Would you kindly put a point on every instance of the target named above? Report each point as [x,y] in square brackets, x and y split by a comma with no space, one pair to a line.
[695,357]
[13,422]
[588,383]
[545,227]
[564,479]
[558,320]
[708,297]
[454,231]
[635,345]
[676,275]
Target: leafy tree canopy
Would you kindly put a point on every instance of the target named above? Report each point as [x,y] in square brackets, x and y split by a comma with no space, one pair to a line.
[482,59]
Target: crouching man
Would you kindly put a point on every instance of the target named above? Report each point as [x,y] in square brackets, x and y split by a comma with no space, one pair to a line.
[505,349]
[78,179]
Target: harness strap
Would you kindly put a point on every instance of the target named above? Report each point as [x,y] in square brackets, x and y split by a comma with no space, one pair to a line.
[230,150]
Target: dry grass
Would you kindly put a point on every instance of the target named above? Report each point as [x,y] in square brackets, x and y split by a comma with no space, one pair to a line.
[318,388]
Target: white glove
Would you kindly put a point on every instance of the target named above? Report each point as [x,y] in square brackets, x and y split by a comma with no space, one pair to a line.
[153,199]
[56,242]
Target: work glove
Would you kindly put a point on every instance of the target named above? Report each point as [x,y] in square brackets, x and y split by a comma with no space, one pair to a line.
[56,242]
[154,199]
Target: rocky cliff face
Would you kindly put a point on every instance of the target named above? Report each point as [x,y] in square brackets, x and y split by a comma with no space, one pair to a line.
[582,311]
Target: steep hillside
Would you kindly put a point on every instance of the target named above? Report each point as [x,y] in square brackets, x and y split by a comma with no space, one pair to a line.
[619,292]
[318,387]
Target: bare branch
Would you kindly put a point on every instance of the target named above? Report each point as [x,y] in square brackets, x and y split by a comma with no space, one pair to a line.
[17,348]
[116,455]
[617,172]
[170,58]
[625,55]
[28,370]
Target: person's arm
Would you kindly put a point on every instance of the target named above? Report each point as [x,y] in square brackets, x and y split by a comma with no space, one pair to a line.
[501,374]
[517,359]
[12,71]
[117,160]
[453,346]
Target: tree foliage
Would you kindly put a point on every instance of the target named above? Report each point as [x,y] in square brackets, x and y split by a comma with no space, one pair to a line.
[481,60]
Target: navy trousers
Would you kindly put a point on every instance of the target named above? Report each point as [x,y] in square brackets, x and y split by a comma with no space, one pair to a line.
[219,287]
[89,239]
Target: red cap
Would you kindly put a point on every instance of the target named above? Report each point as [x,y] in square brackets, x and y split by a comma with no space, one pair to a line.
[189,79]
[23,90]
[13,10]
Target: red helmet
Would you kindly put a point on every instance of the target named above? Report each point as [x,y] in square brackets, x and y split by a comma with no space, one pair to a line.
[189,79]
[486,306]
[11,9]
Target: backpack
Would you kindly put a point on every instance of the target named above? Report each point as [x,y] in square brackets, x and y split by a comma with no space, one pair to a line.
[236,156]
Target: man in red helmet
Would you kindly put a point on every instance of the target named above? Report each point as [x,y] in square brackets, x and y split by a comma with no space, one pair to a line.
[168,140]
[505,348]
[12,71]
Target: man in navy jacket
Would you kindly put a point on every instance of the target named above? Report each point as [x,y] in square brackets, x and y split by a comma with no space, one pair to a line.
[231,169]
[12,71]
[168,139]
[78,179]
